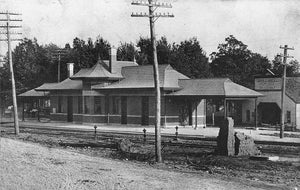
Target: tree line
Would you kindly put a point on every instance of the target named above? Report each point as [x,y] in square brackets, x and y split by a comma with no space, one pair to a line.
[35,64]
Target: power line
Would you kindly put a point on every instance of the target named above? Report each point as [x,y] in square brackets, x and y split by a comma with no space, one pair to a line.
[57,54]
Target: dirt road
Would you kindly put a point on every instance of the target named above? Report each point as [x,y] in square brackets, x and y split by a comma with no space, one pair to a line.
[31,166]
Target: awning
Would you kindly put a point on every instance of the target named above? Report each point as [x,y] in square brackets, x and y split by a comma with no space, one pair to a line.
[214,87]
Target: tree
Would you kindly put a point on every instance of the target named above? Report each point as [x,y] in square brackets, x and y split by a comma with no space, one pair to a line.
[291,69]
[32,67]
[52,64]
[189,58]
[163,50]
[85,55]
[145,55]
[5,86]
[101,49]
[31,64]
[126,52]
[236,61]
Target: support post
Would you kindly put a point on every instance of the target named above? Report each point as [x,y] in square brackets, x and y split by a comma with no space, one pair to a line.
[23,112]
[165,112]
[255,112]
[107,108]
[225,108]
[38,109]
[196,115]
[83,107]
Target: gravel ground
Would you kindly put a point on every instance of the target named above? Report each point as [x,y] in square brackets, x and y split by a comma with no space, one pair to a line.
[32,166]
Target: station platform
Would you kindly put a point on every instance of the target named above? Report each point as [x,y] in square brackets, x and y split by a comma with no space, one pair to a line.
[259,134]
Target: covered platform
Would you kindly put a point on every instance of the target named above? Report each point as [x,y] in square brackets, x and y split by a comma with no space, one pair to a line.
[224,98]
[34,104]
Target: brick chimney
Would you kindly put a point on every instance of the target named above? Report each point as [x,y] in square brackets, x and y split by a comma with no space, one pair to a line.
[70,69]
[112,58]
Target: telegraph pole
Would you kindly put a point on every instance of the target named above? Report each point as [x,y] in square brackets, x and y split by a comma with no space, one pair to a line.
[285,56]
[152,18]
[59,53]
[8,40]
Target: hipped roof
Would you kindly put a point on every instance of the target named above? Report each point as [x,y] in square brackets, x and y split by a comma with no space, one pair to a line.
[293,88]
[101,71]
[66,84]
[45,86]
[142,77]
[34,93]
[214,87]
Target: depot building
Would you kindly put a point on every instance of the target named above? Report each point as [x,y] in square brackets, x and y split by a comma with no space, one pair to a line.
[269,105]
[122,92]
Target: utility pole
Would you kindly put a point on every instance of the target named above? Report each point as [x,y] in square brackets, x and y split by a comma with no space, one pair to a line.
[285,56]
[8,40]
[58,54]
[152,18]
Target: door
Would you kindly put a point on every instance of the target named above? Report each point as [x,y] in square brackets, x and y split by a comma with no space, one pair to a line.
[70,109]
[145,110]
[236,112]
[270,113]
[123,110]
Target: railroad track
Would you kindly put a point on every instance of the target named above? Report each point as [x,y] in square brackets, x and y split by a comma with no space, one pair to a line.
[87,136]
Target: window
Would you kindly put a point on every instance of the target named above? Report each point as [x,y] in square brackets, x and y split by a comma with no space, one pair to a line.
[79,104]
[116,105]
[47,103]
[288,116]
[97,105]
[248,115]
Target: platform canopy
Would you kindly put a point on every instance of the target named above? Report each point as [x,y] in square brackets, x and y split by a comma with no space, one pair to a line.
[213,87]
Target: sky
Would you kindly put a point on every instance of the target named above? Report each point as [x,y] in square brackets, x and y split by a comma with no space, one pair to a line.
[263,25]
